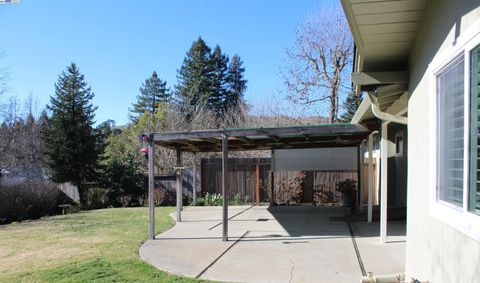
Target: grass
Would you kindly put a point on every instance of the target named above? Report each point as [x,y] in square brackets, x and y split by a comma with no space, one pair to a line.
[92,246]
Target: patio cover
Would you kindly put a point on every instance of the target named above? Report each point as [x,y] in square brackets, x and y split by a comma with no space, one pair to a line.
[243,139]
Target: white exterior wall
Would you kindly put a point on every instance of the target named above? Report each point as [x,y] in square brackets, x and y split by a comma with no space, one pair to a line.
[435,251]
[331,158]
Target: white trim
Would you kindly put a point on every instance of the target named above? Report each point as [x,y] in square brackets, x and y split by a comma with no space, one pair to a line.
[458,217]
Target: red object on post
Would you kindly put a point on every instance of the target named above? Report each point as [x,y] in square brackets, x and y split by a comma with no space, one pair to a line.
[144,150]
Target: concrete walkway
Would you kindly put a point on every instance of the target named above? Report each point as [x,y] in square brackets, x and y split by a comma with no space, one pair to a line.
[275,244]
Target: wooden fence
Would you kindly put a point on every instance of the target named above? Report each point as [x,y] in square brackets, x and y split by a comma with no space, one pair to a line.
[252,177]
[374,182]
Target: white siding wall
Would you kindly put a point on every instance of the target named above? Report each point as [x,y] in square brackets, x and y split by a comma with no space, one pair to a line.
[332,158]
[435,251]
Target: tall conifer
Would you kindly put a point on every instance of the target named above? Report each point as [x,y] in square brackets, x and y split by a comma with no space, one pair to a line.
[153,92]
[219,84]
[195,78]
[69,136]
[237,84]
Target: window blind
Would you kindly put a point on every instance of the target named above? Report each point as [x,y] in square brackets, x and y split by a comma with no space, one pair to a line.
[450,118]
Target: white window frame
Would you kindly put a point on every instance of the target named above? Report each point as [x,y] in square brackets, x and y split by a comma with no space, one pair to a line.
[458,217]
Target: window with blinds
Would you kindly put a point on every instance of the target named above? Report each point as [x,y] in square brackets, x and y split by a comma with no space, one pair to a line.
[475,131]
[450,137]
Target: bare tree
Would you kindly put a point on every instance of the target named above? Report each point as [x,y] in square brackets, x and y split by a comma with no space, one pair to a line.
[317,66]
[3,81]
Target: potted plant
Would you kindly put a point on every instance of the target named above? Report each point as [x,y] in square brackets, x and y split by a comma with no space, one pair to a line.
[347,187]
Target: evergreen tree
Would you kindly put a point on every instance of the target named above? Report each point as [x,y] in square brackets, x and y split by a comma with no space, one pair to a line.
[350,106]
[236,83]
[206,80]
[69,137]
[195,78]
[153,92]
[219,84]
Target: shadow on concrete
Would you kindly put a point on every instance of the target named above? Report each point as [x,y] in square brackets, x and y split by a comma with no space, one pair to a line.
[301,221]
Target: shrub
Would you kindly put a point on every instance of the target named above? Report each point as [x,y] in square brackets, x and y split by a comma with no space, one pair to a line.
[30,200]
[290,190]
[201,202]
[347,186]
[73,208]
[213,199]
[247,199]
[96,198]
[237,199]
[162,196]
[321,194]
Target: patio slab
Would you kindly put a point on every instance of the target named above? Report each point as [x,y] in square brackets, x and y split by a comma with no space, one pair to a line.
[270,244]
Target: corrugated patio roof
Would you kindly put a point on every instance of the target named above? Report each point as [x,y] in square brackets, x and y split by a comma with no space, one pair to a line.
[243,139]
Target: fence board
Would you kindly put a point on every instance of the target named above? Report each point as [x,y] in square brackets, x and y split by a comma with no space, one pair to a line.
[242,179]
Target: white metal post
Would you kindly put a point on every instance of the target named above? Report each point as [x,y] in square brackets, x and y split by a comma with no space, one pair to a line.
[370,177]
[377,178]
[179,186]
[151,190]
[361,156]
[384,180]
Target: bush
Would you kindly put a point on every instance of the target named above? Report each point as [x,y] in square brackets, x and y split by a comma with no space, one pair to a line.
[96,198]
[30,200]
[213,199]
[347,186]
[237,199]
[162,197]
[290,190]
[73,208]
[201,202]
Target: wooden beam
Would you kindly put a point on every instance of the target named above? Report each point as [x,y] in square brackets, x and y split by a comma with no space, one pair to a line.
[245,140]
[225,187]
[151,190]
[307,137]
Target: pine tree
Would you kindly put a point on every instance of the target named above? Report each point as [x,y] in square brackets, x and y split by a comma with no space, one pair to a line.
[69,137]
[195,78]
[350,106]
[236,83]
[153,92]
[219,84]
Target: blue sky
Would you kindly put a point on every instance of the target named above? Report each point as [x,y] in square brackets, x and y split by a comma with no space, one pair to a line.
[117,44]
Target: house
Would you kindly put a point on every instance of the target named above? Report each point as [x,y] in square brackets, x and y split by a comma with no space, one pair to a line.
[418,62]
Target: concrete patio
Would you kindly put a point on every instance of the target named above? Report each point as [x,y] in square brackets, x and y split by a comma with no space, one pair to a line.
[276,244]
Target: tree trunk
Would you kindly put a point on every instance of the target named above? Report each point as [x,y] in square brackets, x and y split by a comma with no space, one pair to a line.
[332,107]
[83,195]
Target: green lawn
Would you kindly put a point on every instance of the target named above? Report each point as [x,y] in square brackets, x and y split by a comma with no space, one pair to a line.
[99,246]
